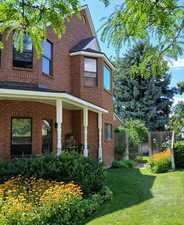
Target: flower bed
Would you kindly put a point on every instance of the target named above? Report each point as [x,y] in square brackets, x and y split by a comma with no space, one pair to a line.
[37,201]
[160,162]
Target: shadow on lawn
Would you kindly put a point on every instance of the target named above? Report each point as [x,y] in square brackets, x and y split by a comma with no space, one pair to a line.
[129,186]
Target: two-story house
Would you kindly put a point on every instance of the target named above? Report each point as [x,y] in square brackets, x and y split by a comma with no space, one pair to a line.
[68,90]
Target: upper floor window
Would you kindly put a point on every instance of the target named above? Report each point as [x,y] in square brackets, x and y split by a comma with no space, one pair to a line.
[107,78]
[108,131]
[23,59]
[90,72]
[47,58]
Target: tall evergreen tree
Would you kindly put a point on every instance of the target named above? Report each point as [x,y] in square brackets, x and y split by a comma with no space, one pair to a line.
[146,99]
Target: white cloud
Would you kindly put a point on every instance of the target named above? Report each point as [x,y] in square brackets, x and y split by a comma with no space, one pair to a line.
[175,64]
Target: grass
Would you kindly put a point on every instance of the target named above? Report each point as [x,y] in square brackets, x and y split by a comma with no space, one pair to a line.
[141,198]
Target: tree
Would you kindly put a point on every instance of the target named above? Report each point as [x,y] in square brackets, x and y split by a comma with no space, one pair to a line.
[136,130]
[138,98]
[32,17]
[177,118]
[158,21]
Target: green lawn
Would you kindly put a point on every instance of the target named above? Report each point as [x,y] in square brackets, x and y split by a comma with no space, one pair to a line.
[141,198]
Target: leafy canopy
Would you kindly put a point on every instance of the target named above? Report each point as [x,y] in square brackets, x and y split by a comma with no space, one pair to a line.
[177,118]
[136,130]
[32,17]
[160,22]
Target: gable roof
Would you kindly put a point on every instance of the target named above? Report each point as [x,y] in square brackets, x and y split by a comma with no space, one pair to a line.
[92,27]
[81,45]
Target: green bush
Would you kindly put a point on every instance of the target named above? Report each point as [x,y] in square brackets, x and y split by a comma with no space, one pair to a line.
[87,173]
[123,164]
[160,166]
[179,154]
[142,159]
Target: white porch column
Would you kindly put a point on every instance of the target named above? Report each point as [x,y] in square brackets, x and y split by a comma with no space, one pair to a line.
[59,120]
[100,151]
[85,124]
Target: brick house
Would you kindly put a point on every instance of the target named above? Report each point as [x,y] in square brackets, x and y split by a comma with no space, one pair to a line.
[68,90]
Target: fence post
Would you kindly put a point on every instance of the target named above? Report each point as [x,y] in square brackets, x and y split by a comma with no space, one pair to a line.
[172,151]
[127,147]
[150,145]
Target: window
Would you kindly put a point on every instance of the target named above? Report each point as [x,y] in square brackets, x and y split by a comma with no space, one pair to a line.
[107,78]
[90,72]
[21,132]
[23,59]
[108,131]
[46,136]
[47,58]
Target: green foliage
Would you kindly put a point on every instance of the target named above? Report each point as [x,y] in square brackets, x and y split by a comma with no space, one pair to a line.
[123,164]
[176,122]
[47,202]
[136,130]
[119,130]
[160,166]
[20,17]
[87,173]
[161,21]
[181,87]
[146,99]
[160,162]
[179,154]
[142,159]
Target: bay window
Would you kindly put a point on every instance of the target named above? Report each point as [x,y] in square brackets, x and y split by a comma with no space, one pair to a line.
[90,72]
[107,78]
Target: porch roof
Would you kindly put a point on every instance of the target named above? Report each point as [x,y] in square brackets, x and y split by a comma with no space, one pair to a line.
[37,92]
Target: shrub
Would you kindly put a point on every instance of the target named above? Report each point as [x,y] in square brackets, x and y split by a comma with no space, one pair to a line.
[37,201]
[142,159]
[123,164]
[179,154]
[160,162]
[87,173]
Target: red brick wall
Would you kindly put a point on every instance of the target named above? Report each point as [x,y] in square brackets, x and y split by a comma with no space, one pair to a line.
[68,76]
[61,79]
[34,110]
[93,135]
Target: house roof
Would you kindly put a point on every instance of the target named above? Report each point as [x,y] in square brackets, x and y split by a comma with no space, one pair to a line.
[27,89]
[81,45]
[26,86]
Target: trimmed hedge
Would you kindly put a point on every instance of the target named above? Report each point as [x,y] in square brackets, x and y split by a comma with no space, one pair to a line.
[87,173]
[179,154]
[123,164]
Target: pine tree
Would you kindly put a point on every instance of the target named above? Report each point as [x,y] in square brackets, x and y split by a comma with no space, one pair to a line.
[146,99]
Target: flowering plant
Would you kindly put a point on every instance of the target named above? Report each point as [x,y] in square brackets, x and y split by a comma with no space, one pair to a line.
[160,162]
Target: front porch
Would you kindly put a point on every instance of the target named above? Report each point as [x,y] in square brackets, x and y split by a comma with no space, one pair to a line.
[33,122]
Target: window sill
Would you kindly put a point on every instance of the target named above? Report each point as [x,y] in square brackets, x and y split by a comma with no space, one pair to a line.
[23,69]
[107,91]
[48,75]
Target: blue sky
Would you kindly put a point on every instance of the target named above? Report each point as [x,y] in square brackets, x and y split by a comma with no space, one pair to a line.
[99,11]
